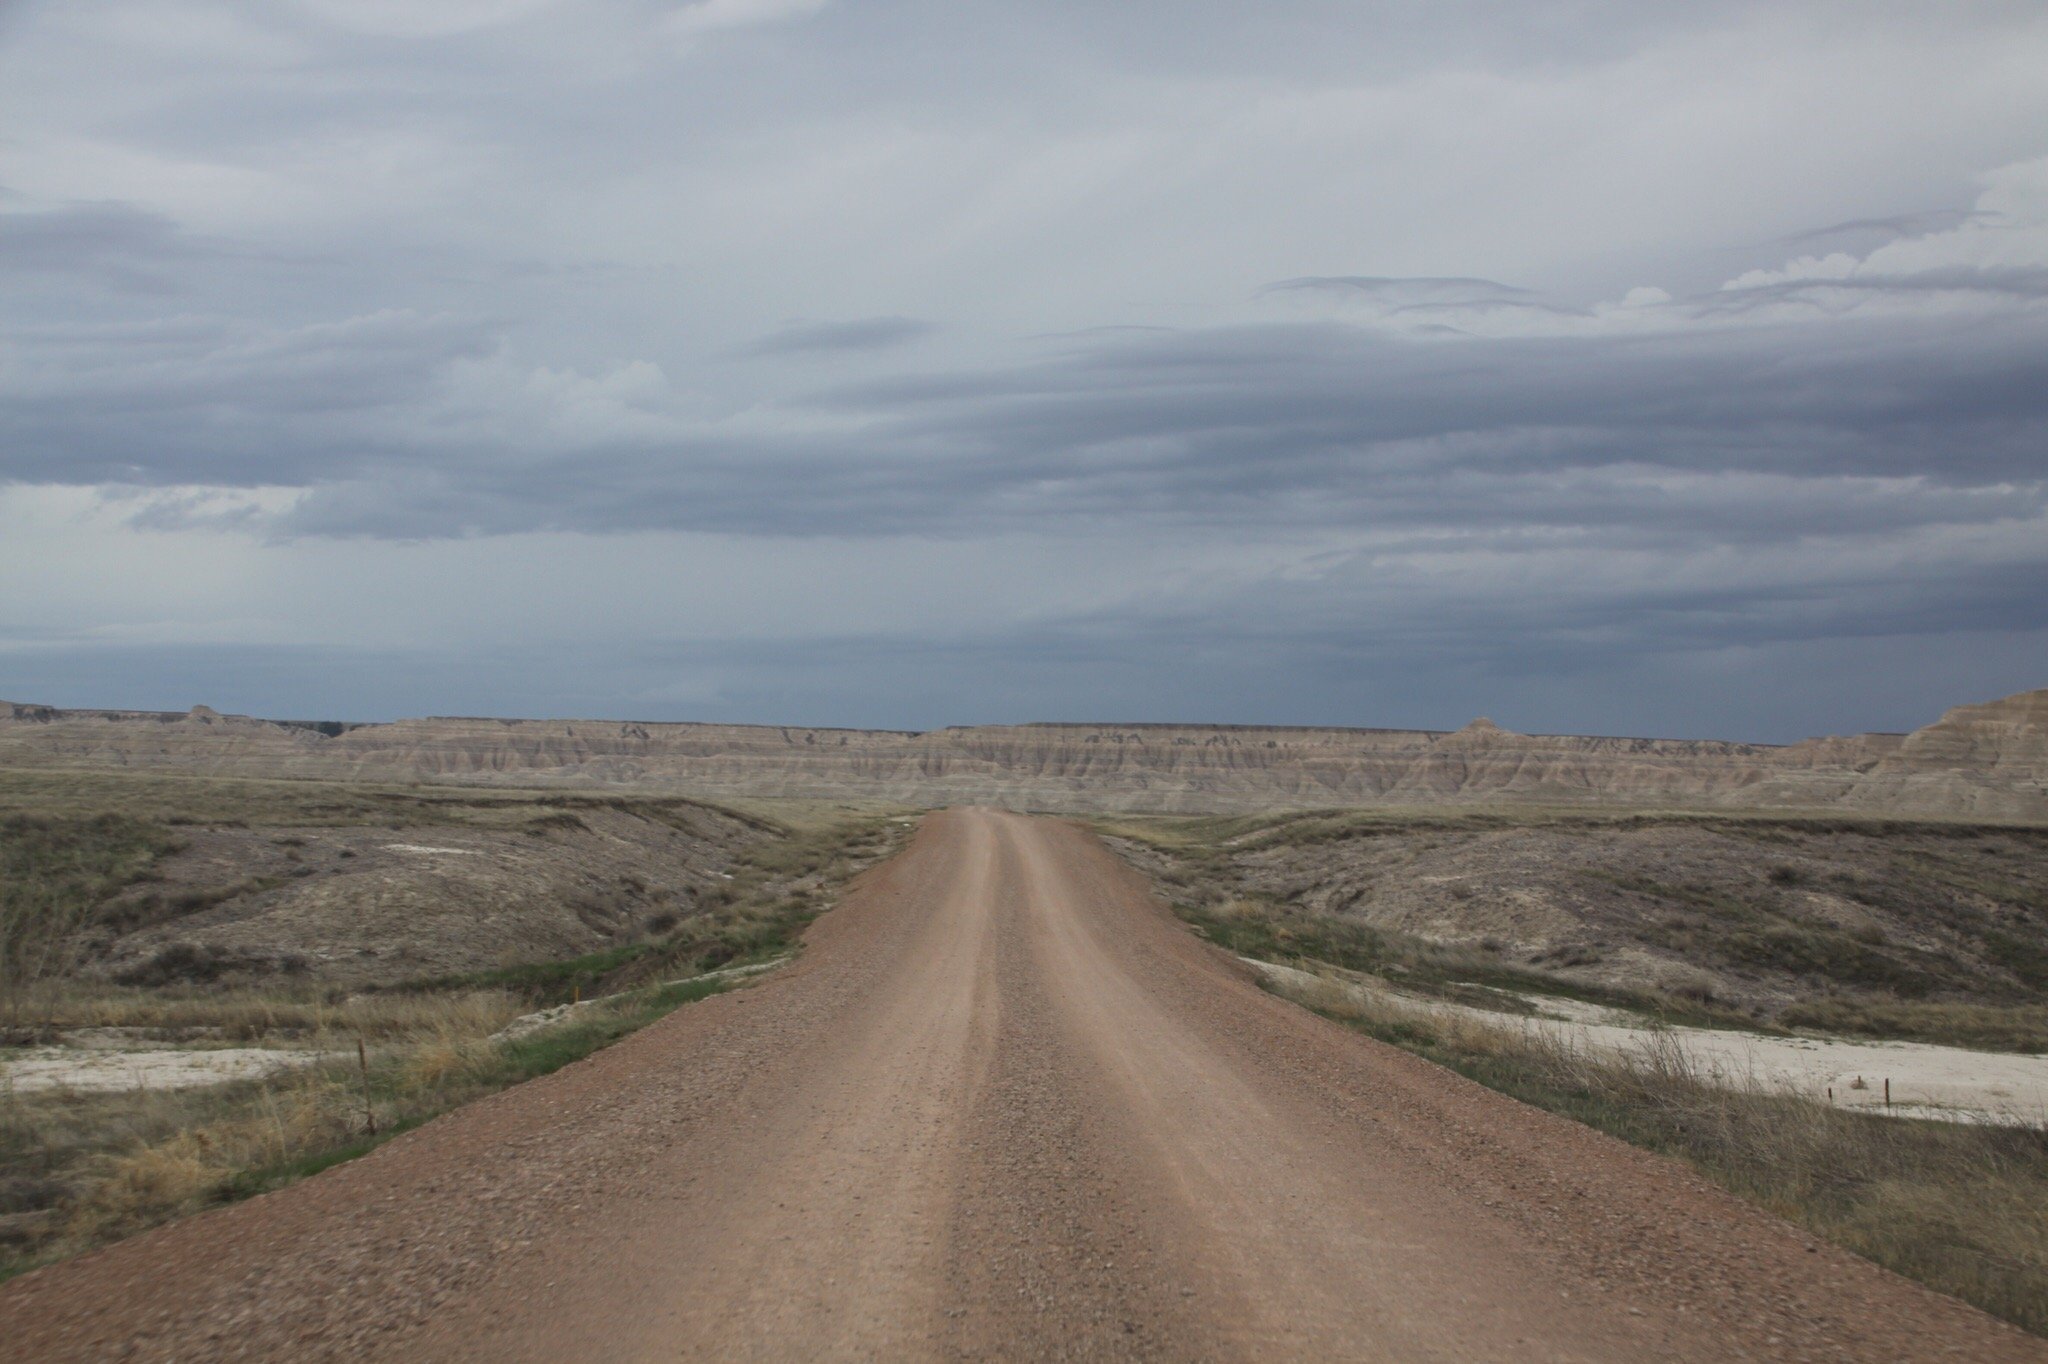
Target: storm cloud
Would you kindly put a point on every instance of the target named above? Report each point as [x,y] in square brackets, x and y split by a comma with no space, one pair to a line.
[1376,364]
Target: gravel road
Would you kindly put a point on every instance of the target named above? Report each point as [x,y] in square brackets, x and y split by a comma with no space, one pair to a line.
[1003,1107]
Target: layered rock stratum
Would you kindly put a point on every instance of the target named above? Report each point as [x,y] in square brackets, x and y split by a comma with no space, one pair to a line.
[1984,761]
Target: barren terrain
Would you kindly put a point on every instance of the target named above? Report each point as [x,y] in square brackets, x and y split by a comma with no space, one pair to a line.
[1934,930]
[477,887]
[1985,761]
[240,881]
[1002,1106]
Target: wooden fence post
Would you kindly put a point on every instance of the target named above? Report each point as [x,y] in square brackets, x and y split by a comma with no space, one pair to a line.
[363,1061]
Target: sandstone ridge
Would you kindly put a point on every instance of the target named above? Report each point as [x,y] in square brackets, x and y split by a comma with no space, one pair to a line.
[1986,761]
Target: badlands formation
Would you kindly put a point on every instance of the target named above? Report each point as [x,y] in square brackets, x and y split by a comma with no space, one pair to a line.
[1984,761]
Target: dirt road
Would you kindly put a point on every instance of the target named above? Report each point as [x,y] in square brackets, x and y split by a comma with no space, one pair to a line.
[1003,1107]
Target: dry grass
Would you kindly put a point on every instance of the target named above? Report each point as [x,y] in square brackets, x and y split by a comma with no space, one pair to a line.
[176,798]
[54,873]
[194,1164]
[1281,932]
[256,1015]
[1294,828]
[87,1168]
[80,1169]
[87,857]
[2021,1027]
[1963,1209]
[1931,931]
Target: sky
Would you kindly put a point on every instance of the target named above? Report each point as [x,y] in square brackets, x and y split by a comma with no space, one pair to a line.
[1601,368]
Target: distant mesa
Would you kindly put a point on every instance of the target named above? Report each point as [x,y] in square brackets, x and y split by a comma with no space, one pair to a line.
[1982,761]
[1481,733]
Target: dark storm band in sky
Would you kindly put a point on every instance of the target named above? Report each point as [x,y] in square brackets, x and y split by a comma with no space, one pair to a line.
[895,364]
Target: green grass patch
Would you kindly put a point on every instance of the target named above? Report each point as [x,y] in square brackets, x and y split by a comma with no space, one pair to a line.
[1986,1027]
[541,983]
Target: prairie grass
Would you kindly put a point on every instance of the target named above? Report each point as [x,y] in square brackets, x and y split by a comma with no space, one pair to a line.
[238,1017]
[1300,828]
[1273,932]
[1959,1207]
[178,799]
[776,888]
[1920,930]
[93,1168]
[55,870]
[70,842]
[80,1169]
[1988,1027]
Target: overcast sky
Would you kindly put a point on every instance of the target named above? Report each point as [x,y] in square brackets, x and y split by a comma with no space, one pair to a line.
[1605,367]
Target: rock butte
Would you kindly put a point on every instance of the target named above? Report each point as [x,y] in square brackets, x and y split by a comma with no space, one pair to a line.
[1984,761]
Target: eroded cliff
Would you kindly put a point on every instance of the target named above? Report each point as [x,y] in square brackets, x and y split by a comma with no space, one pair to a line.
[1988,760]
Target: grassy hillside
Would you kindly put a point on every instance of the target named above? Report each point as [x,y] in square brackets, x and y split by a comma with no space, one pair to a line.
[1934,931]
[196,869]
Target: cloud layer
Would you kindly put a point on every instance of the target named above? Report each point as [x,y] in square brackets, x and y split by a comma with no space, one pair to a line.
[1060,358]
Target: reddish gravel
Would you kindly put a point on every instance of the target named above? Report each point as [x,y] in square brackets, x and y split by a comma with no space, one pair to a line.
[1003,1107]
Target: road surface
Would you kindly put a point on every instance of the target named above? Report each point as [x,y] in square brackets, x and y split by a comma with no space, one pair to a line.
[1003,1107]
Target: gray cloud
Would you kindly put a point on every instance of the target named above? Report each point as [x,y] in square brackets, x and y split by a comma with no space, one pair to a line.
[325,289]
[1437,289]
[214,402]
[867,333]
[120,246]
[1862,233]
[400,425]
